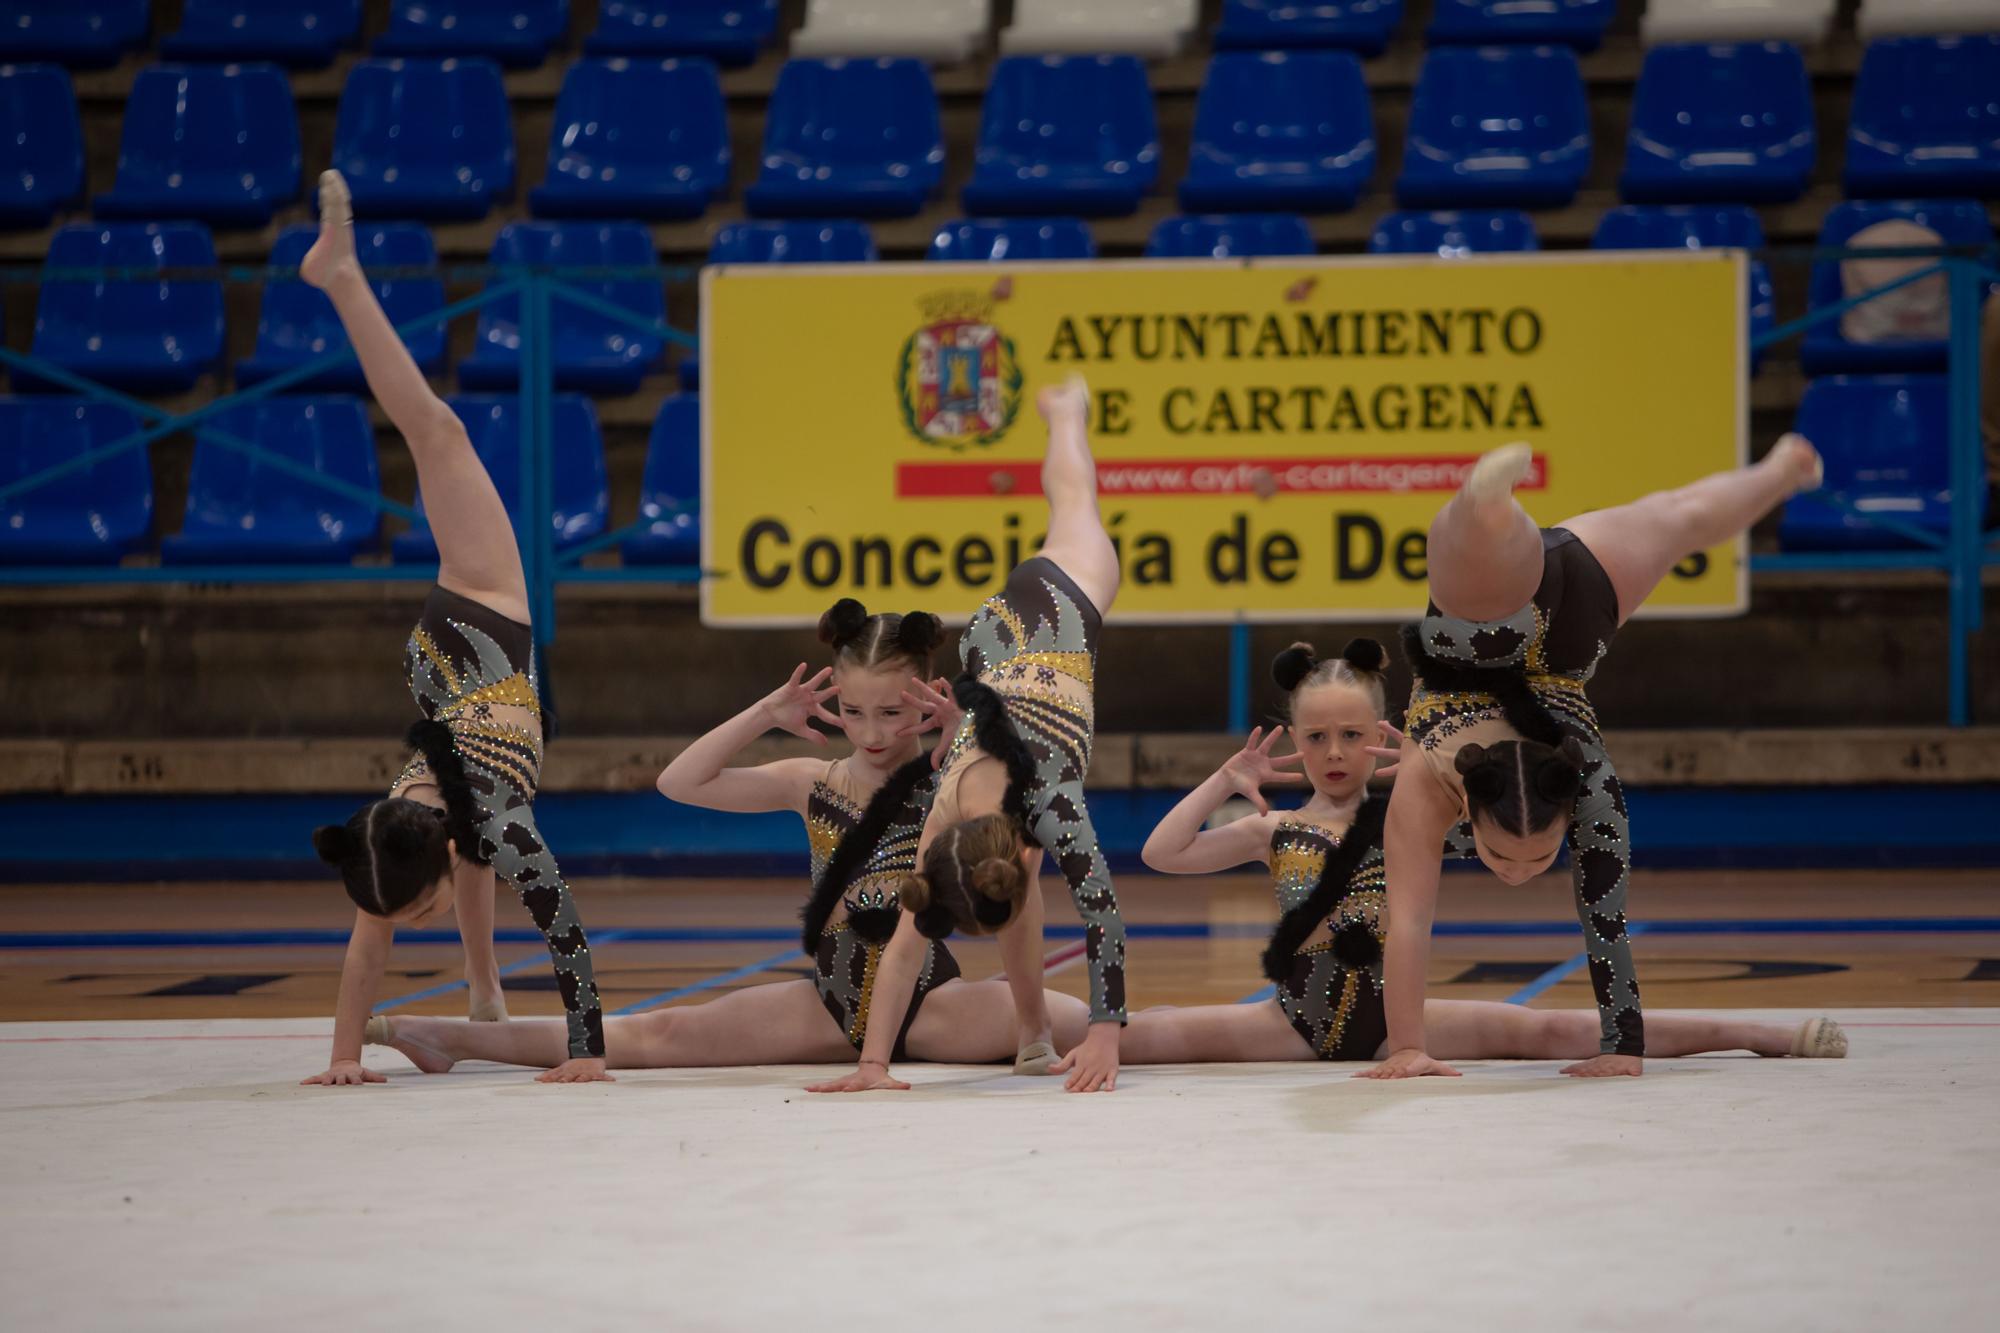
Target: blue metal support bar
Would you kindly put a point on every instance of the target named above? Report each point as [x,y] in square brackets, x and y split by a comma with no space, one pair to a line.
[1239,678]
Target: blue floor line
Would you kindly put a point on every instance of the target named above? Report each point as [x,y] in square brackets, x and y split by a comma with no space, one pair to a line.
[1561,970]
[721,979]
[509,970]
[1259,996]
[228,939]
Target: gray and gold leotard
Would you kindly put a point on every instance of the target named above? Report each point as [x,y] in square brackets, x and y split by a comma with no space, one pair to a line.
[465,661]
[848,951]
[1035,645]
[1552,646]
[1331,989]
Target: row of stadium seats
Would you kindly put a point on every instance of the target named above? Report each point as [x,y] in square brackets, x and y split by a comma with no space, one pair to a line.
[241,509]
[1883,438]
[524,32]
[1489,127]
[161,336]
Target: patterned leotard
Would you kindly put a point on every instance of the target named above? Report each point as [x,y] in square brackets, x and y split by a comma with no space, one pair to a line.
[1335,1005]
[1035,645]
[1554,644]
[465,660]
[845,961]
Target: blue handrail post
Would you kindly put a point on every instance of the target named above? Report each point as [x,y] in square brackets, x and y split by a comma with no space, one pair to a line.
[1239,677]
[1967,482]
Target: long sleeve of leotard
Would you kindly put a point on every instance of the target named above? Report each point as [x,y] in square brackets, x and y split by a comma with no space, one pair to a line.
[1063,827]
[520,857]
[1600,863]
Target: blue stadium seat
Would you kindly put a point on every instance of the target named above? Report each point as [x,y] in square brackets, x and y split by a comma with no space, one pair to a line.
[1476,231]
[1268,25]
[1824,350]
[73,32]
[854,137]
[92,516]
[670,491]
[1230,236]
[1723,123]
[1066,135]
[1926,119]
[298,325]
[729,32]
[290,32]
[513,32]
[149,337]
[425,138]
[794,242]
[592,353]
[1014,238]
[580,495]
[1496,126]
[242,510]
[1281,130]
[1886,442]
[43,170]
[1578,24]
[215,143]
[636,139]
[1697,227]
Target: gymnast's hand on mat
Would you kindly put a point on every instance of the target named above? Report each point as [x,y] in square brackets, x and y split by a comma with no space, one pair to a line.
[1390,749]
[1607,1066]
[1409,1064]
[1092,1066]
[576,1071]
[935,707]
[793,705]
[344,1074]
[867,1077]
[1252,768]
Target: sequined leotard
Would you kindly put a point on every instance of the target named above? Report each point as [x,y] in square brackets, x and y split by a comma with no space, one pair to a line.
[465,661]
[1554,644]
[850,948]
[1035,645]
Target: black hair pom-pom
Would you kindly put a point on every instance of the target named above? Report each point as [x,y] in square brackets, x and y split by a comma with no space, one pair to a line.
[872,914]
[1365,655]
[1292,666]
[333,843]
[934,922]
[1356,946]
[843,623]
[1557,780]
[919,633]
[991,912]
[1485,783]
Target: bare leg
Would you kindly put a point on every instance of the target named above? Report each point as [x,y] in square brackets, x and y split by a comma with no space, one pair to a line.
[775,1024]
[1487,1030]
[1211,1032]
[1485,553]
[1021,956]
[1638,543]
[1077,541]
[476,551]
[973,1022]
[473,905]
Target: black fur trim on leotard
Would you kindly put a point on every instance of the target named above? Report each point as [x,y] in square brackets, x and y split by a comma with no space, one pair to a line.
[1297,925]
[434,741]
[1508,686]
[857,846]
[994,732]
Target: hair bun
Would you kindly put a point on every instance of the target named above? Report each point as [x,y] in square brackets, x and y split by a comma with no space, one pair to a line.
[935,922]
[1293,665]
[1365,655]
[919,633]
[843,621]
[913,892]
[333,843]
[1557,780]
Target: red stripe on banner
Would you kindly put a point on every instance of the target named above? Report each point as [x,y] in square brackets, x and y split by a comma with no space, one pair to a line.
[1264,477]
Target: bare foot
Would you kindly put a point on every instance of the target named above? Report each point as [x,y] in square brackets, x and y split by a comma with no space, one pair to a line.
[384,1031]
[1796,454]
[1070,398]
[332,255]
[1496,474]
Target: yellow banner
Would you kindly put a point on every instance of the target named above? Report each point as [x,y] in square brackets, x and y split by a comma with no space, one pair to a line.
[1272,437]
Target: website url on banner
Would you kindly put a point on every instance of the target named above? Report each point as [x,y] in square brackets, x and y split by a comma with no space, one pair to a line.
[1207,476]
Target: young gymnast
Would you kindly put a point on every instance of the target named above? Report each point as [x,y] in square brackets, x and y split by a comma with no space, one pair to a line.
[1325,859]
[1012,786]
[1501,733]
[462,810]
[863,814]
